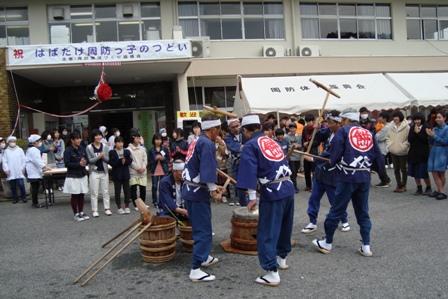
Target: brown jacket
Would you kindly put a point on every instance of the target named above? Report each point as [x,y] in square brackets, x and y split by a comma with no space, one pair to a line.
[397,139]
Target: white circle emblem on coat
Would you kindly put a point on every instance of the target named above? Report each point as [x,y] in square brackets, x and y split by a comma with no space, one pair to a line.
[270,149]
[360,139]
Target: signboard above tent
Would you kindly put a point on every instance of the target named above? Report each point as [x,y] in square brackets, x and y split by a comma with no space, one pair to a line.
[296,94]
[98,52]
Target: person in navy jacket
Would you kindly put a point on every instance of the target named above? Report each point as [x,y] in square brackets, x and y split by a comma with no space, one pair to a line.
[171,202]
[264,165]
[353,151]
[200,178]
[323,180]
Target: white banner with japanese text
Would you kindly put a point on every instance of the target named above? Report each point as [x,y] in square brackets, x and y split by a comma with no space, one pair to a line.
[103,52]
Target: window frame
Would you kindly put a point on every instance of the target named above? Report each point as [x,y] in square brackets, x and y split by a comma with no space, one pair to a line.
[422,19]
[241,16]
[317,17]
[201,100]
[14,23]
[117,19]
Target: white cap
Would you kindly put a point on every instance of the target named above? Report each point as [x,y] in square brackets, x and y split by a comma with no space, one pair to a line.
[33,138]
[232,120]
[208,124]
[103,129]
[250,119]
[178,165]
[11,138]
[353,116]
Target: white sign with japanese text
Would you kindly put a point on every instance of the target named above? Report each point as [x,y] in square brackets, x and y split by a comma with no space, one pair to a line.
[297,94]
[98,52]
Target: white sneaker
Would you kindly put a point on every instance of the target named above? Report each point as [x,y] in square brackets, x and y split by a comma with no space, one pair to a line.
[309,229]
[322,246]
[84,216]
[365,250]
[345,227]
[282,263]
[136,209]
[224,199]
[78,218]
[231,203]
[197,275]
[95,214]
[237,204]
[127,210]
[210,261]
[271,278]
[108,212]
[120,211]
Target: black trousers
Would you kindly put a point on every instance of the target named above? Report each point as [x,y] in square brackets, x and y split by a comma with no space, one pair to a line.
[35,184]
[294,166]
[142,191]
[118,185]
[308,168]
[400,169]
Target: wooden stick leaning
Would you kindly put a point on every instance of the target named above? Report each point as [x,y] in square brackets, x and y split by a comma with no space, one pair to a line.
[219,111]
[222,173]
[121,233]
[321,112]
[311,155]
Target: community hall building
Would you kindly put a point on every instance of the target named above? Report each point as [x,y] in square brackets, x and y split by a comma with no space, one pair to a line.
[166,58]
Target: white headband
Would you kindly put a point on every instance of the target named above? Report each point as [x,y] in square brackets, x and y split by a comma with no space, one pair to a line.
[250,119]
[232,120]
[353,116]
[178,166]
[335,118]
[208,124]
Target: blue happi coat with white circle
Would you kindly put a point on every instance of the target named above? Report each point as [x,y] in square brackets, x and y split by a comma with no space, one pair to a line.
[264,164]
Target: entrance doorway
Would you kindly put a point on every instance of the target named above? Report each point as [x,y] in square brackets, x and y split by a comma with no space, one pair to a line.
[120,120]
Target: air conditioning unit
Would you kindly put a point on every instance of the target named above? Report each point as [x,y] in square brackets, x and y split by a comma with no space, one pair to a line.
[128,10]
[273,51]
[200,47]
[59,13]
[308,51]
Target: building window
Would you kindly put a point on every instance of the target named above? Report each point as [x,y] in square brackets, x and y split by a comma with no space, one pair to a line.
[232,20]
[101,23]
[14,27]
[346,21]
[222,97]
[427,22]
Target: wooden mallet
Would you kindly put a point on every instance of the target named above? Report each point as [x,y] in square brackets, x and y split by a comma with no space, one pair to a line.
[218,111]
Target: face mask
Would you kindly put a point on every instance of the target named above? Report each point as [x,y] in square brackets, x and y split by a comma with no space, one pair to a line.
[2,145]
[117,133]
[409,122]
[64,133]
[49,137]
[39,144]
[364,116]
[12,144]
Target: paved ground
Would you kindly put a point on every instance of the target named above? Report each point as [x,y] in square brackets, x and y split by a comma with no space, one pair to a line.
[42,251]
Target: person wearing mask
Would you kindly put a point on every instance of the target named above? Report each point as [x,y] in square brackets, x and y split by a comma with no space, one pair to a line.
[365,121]
[418,154]
[13,163]
[383,125]
[138,168]
[398,145]
[47,147]
[178,147]
[438,157]
[306,139]
[98,155]
[76,183]
[66,136]
[196,132]
[294,143]
[170,193]
[34,167]
[158,165]
[120,160]
[111,140]
[104,133]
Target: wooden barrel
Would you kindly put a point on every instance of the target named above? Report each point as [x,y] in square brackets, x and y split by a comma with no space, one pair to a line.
[186,236]
[244,229]
[158,242]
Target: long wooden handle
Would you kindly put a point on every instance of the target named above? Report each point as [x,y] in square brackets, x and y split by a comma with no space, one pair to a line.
[90,267]
[232,180]
[219,111]
[122,232]
[116,254]
[319,121]
[311,155]
[326,88]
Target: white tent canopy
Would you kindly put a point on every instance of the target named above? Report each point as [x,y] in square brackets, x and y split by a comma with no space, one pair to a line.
[425,89]
[296,94]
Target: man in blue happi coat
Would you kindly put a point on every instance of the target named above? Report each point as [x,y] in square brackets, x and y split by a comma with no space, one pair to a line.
[171,202]
[264,166]
[323,179]
[353,151]
[199,185]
